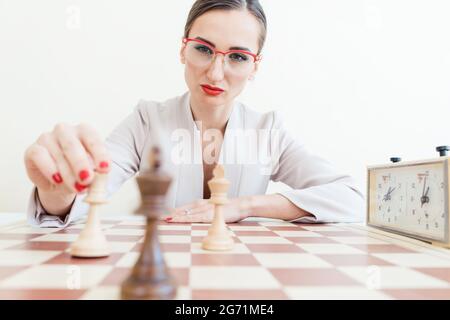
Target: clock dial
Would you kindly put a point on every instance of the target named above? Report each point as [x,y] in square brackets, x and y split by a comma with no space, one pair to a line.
[388,194]
[411,199]
[425,206]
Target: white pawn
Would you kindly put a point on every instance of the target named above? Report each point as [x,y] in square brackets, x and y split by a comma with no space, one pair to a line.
[91,242]
[218,238]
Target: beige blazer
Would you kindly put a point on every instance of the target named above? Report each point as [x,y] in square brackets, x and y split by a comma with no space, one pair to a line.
[315,185]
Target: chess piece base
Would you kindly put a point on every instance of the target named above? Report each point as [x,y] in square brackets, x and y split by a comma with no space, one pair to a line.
[217,243]
[134,289]
[150,285]
[92,248]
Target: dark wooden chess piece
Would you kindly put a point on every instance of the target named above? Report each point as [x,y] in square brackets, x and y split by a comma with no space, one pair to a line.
[150,277]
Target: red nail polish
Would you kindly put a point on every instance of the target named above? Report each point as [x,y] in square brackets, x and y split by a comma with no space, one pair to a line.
[57,178]
[104,164]
[168,219]
[84,174]
[79,187]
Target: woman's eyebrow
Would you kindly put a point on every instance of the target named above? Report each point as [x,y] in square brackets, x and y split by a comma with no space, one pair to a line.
[213,45]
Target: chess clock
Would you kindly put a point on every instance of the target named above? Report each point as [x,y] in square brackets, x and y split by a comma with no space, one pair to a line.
[411,198]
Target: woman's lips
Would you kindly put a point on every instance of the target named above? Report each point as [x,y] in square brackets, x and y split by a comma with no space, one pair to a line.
[212,91]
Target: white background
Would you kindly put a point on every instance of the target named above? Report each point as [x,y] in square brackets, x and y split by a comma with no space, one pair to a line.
[358,80]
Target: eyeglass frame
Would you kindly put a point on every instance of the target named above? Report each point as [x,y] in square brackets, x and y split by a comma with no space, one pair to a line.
[256,57]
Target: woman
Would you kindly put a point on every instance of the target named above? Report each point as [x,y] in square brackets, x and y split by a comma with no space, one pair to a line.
[221,51]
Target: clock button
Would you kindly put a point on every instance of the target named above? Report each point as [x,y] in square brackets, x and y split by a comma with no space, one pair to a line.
[442,150]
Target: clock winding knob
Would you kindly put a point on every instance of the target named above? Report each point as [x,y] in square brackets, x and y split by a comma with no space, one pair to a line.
[442,150]
[396,159]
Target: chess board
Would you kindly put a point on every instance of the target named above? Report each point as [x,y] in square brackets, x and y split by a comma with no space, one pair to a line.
[271,260]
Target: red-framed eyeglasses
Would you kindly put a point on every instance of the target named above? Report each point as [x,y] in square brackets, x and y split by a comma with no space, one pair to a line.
[237,56]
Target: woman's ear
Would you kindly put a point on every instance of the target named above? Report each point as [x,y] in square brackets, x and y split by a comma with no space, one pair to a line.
[182,52]
[182,57]
[255,70]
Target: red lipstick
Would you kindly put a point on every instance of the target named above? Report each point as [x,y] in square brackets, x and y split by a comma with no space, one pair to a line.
[210,90]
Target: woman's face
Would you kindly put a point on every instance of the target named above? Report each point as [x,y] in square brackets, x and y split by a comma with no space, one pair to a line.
[224,30]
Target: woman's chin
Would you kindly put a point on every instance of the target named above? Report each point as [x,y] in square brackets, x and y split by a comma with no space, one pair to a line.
[213,100]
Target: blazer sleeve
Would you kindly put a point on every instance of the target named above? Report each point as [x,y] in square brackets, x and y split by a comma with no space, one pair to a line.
[317,187]
[125,145]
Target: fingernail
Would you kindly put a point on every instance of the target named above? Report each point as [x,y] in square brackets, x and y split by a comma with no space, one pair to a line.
[169,219]
[84,174]
[79,187]
[57,178]
[104,164]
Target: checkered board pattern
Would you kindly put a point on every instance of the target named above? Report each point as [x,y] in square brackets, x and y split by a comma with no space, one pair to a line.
[271,260]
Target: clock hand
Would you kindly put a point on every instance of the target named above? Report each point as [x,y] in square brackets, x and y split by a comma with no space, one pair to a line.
[387,196]
[424,184]
[425,198]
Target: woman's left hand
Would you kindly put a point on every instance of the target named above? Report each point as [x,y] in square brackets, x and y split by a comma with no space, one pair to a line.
[202,211]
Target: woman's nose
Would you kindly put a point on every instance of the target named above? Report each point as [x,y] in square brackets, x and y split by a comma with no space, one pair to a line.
[216,70]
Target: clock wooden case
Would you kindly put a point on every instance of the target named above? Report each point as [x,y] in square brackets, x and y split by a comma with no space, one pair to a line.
[411,198]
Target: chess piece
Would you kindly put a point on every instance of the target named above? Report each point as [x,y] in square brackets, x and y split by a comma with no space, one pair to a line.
[150,278]
[218,238]
[91,242]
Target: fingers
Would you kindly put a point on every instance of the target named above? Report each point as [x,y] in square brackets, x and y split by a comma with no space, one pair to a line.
[67,156]
[192,205]
[203,208]
[203,217]
[41,167]
[95,146]
[204,213]
[200,213]
[49,142]
[74,153]
[193,208]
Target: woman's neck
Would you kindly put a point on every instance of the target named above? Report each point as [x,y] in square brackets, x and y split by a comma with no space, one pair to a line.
[212,117]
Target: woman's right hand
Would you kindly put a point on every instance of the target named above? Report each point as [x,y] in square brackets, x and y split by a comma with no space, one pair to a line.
[63,161]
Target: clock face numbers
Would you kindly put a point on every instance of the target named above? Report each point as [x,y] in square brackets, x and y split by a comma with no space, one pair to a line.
[427,202]
[411,198]
[388,198]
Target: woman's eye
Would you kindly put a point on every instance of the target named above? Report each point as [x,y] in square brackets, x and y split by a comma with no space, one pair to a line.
[239,57]
[203,49]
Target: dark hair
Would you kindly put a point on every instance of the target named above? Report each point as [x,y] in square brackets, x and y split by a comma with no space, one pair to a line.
[253,6]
